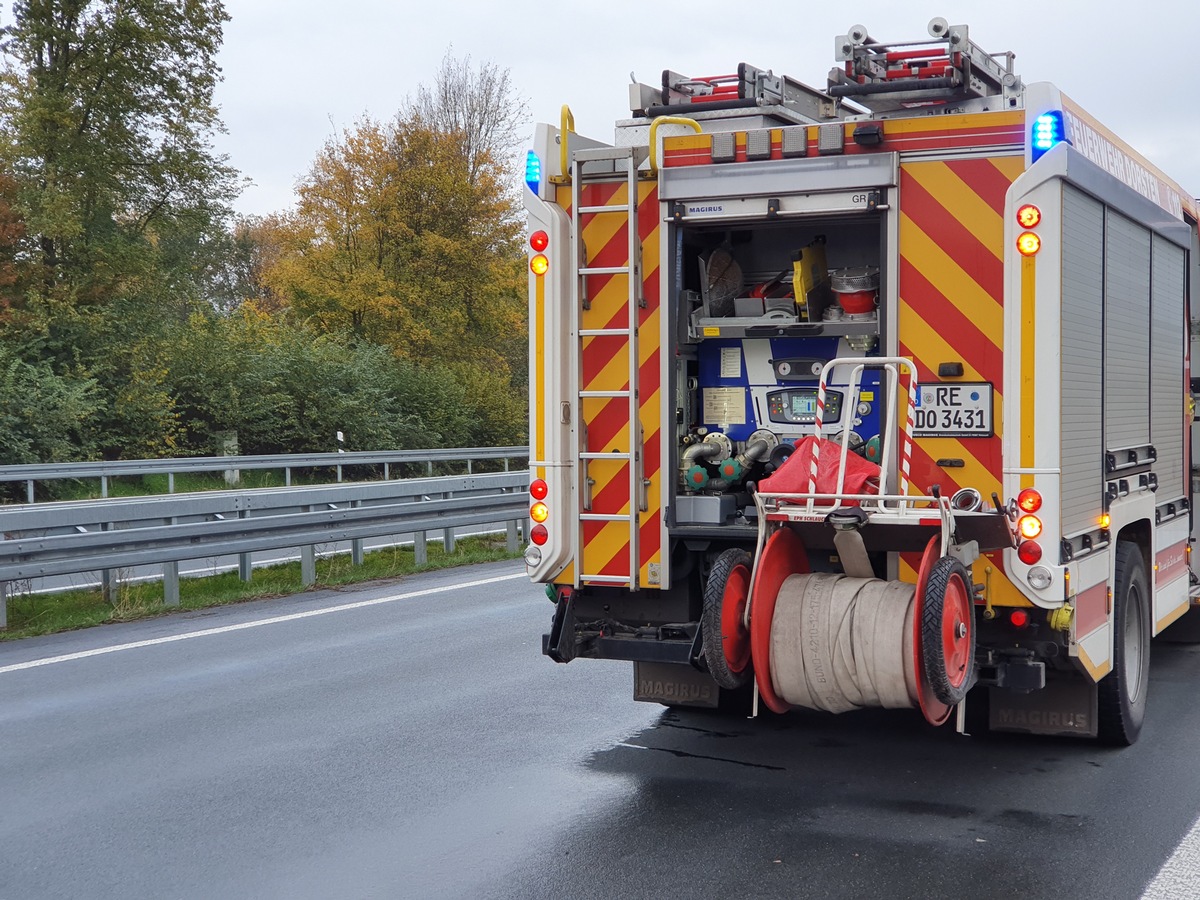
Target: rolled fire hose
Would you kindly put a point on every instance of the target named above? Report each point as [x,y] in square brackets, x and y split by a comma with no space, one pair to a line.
[840,643]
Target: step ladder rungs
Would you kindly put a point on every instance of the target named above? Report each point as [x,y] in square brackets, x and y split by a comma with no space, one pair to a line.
[605,579]
[603,517]
[606,270]
[604,332]
[586,395]
[596,210]
[615,454]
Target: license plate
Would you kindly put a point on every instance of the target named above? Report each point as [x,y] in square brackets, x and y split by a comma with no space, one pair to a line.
[953,410]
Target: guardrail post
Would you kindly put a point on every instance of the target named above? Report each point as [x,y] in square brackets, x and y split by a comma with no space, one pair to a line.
[420,550]
[448,533]
[513,539]
[171,584]
[287,476]
[29,490]
[106,579]
[245,565]
[308,559]
[103,485]
[3,604]
[387,472]
[356,544]
[308,565]
[170,482]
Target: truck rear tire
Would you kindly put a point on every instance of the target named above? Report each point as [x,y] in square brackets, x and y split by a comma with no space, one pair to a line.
[1122,698]
[723,665]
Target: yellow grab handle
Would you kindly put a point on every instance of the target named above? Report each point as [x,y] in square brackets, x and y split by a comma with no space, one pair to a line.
[567,126]
[666,120]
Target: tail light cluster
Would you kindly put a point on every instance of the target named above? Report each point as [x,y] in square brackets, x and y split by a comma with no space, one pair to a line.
[539,511]
[1029,242]
[539,264]
[1029,526]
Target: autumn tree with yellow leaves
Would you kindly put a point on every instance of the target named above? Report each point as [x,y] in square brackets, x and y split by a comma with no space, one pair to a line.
[406,235]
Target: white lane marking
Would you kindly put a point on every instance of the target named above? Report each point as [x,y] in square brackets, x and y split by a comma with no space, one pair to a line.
[1179,877]
[274,620]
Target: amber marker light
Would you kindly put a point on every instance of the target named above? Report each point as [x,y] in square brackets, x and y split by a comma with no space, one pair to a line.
[539,512]
[1029,527]
[1028,244]
[539,265]
[1106,519]
[1028,216]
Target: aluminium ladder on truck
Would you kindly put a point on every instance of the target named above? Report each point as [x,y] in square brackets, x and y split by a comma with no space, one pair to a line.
[610,162]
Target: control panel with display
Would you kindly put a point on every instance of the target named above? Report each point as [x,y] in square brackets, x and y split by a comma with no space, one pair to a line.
[798,406]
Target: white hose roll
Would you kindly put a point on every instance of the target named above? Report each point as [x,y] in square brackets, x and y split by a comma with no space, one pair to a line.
[841,643]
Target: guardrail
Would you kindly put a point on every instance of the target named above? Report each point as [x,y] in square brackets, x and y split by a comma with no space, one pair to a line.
[50,539]
[104,470]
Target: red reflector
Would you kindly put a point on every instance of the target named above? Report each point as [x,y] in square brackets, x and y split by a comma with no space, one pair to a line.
[539,489]
[539,241]
[538,534]
[1029,552]
[1030,500]
[1019,618]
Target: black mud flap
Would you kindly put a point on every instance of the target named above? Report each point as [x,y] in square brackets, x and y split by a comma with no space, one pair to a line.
[1066,706]
[674,685]
[559,644]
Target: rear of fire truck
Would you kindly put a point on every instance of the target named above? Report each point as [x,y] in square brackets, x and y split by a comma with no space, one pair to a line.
[864,396]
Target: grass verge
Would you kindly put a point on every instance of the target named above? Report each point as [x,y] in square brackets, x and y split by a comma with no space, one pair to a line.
[34,614]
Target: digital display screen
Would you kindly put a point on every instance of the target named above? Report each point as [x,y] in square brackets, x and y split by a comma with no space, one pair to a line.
[804,404]
[798,406]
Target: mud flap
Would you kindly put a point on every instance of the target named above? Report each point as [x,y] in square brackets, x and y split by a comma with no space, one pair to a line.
[674,685]
[1066,706]
[559,644]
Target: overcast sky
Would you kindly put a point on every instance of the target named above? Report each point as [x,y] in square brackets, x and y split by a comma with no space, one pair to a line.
[297,71]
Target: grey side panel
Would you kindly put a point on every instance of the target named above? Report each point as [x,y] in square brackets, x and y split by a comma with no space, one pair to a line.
[1168,336]
[1126,333]
[1082,353]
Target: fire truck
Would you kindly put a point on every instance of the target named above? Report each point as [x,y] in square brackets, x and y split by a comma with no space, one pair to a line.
[870,396]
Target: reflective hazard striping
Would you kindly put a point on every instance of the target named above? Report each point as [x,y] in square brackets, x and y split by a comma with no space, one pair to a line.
[605,366]
[951,289]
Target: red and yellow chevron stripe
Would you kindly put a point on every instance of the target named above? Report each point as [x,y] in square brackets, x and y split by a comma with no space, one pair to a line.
[605,547]
[951,309]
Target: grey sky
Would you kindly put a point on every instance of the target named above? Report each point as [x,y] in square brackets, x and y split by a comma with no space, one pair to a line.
[298,70]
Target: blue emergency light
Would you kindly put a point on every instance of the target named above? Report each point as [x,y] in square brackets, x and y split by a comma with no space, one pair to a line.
[1047,131]
[533,171]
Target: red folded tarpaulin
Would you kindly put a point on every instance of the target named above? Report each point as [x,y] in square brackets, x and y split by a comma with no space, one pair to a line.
[862,476]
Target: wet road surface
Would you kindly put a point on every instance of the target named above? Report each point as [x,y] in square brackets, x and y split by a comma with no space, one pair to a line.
[408,740]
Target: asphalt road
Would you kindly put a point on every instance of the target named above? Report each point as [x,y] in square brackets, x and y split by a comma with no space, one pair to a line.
[408,740]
